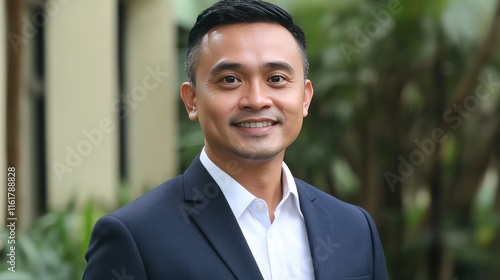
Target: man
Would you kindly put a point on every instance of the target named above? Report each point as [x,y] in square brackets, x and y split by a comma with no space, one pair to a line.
[237,212]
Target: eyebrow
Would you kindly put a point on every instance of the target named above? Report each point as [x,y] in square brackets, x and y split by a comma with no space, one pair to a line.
[280,65]
[273,65]
[224,66]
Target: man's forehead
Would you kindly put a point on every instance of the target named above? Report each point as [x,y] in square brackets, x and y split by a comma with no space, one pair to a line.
[258,36]
[220,31]
[259,45]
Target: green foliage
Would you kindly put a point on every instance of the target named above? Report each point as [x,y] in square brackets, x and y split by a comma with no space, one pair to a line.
[54,247]
[385,74]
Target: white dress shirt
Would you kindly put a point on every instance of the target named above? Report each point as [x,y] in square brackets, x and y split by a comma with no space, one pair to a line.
[281,249]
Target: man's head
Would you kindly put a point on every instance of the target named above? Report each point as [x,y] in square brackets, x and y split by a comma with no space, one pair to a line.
[239,11]
[251,94]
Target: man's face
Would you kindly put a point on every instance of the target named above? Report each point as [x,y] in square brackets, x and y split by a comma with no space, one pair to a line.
[250,96]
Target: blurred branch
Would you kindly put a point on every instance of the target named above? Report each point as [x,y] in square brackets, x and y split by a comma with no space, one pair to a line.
[345,150]
[436,186]
[330,184]
[469,80]
[496,211]
[496,205]
[468,178]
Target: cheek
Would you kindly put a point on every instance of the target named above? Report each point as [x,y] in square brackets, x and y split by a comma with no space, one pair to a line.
[215,110]
[294,109]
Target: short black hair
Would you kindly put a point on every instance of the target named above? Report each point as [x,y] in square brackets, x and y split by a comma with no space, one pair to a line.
[227,12]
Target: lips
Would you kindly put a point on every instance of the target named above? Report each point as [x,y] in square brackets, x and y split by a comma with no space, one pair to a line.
[254,124]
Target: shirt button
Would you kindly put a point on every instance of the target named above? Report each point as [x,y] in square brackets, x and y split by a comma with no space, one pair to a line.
[260,205]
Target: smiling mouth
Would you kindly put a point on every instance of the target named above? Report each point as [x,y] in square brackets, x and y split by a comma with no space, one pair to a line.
[255,124]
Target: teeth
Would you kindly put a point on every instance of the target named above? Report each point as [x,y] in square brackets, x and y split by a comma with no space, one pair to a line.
[254,124]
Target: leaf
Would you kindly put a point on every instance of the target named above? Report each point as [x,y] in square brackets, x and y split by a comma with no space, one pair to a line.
[464,21]
[18,275]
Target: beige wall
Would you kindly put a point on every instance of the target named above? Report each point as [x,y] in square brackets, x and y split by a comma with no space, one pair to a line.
[152,118]
[81,82]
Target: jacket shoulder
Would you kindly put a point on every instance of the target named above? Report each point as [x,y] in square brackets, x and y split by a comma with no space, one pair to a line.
[326,200]
[338,210]
[152,203]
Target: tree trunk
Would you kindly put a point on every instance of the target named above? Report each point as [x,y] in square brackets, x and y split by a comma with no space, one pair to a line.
[471,171]
[370,177]
[469,81]
[393,204]
[496,212]
[436,187]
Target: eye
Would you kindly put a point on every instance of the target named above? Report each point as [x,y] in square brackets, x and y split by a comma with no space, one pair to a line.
[230,79]
[276,79]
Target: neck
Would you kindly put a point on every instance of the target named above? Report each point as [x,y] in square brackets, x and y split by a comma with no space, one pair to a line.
[260,178]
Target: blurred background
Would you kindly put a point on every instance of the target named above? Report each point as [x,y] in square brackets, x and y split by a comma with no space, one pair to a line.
[405,121]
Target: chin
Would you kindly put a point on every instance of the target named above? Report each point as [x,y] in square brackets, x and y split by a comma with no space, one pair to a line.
[258,155]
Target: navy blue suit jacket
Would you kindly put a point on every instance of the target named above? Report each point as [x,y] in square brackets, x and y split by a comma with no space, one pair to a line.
[185,229]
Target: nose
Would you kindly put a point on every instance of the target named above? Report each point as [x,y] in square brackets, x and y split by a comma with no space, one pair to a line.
[255,97]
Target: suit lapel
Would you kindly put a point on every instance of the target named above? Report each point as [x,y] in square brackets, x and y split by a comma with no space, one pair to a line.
[319,231]
[214,218]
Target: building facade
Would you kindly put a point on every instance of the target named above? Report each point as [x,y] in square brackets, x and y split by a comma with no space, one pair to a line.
[97,100]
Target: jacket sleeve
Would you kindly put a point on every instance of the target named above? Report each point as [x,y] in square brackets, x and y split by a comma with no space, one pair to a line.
[113,253]
[379,264]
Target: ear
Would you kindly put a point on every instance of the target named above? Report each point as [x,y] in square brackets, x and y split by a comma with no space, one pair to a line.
[188,96]
[308,94]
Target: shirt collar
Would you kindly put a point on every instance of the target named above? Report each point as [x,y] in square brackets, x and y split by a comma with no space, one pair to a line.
[289,187]
[236,195]
[240,198]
